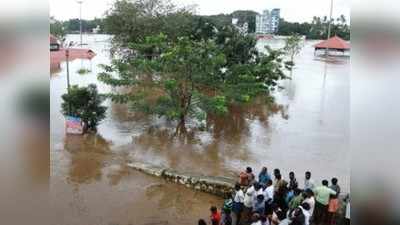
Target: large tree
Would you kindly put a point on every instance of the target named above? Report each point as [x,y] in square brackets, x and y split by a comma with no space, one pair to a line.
[190,78]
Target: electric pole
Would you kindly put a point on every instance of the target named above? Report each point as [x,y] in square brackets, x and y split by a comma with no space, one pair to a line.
[80,19]
[329,27]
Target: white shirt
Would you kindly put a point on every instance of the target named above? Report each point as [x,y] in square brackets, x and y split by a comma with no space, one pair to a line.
[239,196]
[309,184]
[257,193]
[311,202]
[307,216]
[248,197]
[269,193]
[348,210]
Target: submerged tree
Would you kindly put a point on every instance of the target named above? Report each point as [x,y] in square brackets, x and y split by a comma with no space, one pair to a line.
[85,103]
[293,45]
[190,78]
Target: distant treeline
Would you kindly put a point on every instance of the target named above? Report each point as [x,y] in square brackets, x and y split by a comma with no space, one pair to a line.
[317,29]
[71,26]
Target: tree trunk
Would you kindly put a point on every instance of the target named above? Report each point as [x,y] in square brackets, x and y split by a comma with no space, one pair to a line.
[181,128]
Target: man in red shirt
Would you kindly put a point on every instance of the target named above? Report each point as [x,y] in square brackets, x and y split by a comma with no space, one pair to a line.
[215,216]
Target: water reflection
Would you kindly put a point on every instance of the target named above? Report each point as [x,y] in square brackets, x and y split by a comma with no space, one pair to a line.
[213,151]
[88,156]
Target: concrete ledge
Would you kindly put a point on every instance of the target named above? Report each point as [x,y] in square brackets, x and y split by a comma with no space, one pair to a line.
[220,186]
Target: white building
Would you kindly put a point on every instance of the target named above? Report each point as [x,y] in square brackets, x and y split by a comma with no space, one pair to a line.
[268,22]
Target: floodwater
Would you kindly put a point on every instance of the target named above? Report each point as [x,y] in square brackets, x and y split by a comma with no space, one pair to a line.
[306,129]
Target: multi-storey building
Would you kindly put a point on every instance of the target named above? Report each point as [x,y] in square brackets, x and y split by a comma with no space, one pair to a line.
[268,22]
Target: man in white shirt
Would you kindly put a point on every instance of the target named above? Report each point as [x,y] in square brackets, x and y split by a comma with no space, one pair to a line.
[309,198]
[308,182]
[237,206]
[305,208]
[269,191]
[248,204]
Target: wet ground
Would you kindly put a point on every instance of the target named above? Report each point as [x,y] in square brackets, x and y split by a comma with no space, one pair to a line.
[307,129]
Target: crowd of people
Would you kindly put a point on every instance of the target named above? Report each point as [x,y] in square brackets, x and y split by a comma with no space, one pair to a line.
[274,201]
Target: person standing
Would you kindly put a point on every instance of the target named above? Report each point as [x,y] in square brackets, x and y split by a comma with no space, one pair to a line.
[248,204]
[305,208]
[333,202]
[293,184]
[322,194]
[309,198]
[269,191]
[264,177]
[237,206]
[215,216]
[280,192]
[246,178]
[335,186]
[250,175]
[308,182]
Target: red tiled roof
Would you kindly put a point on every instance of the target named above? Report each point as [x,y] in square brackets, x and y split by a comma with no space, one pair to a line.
[334,43]
[74,53]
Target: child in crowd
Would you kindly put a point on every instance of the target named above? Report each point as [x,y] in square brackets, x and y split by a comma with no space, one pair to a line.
[259,206]
[215,216]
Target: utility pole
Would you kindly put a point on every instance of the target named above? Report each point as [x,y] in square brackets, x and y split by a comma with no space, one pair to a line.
[329,27]
[80,19]
[68,84]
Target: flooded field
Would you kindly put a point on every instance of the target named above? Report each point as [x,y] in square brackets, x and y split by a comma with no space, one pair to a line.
[307,129]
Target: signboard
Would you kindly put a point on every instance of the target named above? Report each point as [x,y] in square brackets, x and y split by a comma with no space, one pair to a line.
[73,125]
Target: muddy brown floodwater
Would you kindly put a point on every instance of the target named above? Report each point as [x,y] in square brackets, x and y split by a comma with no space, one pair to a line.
[305,129]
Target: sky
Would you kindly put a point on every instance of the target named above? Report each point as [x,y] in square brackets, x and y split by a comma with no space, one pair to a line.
[291,10]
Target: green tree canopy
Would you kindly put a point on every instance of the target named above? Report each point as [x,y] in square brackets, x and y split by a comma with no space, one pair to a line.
[133,21]
[317,29]
[191,78]
[84,102]
[57,29]
[293,45]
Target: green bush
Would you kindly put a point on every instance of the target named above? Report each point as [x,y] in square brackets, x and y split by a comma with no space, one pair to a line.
[84,102]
